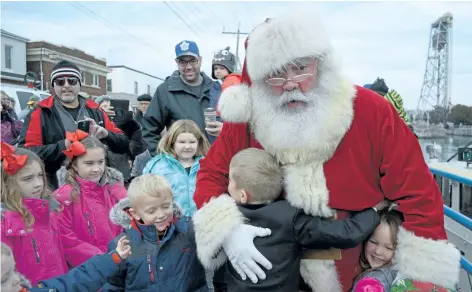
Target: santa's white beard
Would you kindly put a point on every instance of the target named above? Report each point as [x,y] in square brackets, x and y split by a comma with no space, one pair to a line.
[303,132]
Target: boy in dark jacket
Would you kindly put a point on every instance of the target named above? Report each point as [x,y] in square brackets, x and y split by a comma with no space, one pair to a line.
[255,183]
[90,276]
[164,253]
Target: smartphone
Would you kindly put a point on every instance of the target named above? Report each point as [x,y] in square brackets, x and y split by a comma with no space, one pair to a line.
[84,126]
[121,108]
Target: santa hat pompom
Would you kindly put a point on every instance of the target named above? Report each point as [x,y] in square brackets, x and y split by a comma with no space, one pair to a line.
[235,104]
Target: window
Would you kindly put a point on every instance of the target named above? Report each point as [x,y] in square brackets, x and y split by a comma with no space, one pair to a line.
[149,89]
[466,201]
[109,87]
[82,72]
[136,87]
[96,80]
[8,53]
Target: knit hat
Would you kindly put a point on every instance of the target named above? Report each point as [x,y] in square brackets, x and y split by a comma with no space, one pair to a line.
[224,58]
[144,97]
[102,98]
[269,47]
[65,69]
[379,86]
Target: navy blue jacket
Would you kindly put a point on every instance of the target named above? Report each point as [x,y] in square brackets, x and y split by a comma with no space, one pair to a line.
[90,276]
[170,264]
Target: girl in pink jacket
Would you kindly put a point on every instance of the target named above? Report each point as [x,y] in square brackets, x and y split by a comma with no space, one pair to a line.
[88,191]
[29,216]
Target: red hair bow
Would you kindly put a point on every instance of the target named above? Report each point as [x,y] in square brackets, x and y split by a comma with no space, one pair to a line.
[12,163]
[76,148]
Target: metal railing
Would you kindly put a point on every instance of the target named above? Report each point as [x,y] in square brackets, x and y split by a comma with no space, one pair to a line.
[453,214]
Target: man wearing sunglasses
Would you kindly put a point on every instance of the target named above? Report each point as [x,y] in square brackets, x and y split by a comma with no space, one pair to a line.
[44,130]
[184,95]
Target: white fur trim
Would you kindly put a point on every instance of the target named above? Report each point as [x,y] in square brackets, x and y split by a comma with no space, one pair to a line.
[320,275]
[283,39]
[213,223]
[306,188]
[235,104]
[426,260]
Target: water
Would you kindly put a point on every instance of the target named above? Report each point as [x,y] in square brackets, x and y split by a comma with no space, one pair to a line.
[449,146]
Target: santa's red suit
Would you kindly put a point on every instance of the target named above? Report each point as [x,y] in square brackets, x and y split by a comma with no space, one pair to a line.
[359,152]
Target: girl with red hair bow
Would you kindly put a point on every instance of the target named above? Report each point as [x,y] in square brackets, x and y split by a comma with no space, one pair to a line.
[88,190]
[29,216]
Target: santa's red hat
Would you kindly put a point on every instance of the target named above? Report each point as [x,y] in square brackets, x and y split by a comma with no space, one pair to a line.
[269,47]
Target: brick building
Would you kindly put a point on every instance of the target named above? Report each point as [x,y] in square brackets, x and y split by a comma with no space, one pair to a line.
[42,56]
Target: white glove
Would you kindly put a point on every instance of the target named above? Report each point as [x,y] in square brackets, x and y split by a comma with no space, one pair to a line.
[243,255]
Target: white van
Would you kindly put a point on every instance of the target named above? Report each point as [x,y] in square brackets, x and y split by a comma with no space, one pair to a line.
[22,94]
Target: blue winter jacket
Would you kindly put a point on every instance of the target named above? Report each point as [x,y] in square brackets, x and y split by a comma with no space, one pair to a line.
[183,184]
[166,265]
[90,276]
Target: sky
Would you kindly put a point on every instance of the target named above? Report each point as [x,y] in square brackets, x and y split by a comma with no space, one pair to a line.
[372,39]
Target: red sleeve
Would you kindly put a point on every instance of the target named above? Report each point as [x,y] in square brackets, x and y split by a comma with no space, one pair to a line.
[33,136]
[405,176]
[109,125]
[212,178]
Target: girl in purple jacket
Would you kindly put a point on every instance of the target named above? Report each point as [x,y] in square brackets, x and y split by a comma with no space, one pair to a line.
[89,190]
[29,216]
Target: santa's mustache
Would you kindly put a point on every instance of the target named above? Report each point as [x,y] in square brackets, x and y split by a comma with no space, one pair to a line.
[290,97]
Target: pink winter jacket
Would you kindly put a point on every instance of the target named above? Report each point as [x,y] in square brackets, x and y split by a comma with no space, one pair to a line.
[37,251]
[85,226]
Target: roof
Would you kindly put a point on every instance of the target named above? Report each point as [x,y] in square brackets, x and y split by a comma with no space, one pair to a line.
[137,71]
[14,36]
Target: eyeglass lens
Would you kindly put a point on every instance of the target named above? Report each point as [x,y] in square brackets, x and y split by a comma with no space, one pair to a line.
[62,81]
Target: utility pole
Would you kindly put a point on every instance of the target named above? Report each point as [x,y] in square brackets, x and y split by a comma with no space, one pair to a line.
[237,33]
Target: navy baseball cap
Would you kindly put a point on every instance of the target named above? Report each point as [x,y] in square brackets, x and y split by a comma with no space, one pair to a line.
[187,48]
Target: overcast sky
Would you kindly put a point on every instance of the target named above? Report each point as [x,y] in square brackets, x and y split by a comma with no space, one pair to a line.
[386,39]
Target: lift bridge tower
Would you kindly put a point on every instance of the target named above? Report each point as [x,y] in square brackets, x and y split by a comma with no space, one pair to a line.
[436,89]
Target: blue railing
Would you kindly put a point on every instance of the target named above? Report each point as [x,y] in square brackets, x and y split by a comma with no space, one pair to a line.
[453,214]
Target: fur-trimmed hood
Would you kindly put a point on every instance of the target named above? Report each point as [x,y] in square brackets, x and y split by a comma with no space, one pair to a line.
[119,216]
[110,176]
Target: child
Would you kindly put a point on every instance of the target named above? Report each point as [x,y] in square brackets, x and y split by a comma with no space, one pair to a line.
[222,67]
[376,260]
[255,182]
[88,192]
[180,151]
[88,277]
[29,222]
[164,254]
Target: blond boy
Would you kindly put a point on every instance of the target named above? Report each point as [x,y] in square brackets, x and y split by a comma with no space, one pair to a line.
[164,252]
[255,184]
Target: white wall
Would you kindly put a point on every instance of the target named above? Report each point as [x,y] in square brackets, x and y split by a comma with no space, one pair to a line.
[123,81]
[18,55]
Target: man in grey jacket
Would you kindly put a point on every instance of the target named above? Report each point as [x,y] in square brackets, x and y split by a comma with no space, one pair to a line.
[183,95]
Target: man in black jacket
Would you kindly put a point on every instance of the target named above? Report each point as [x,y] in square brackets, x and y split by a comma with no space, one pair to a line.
[44,129]
[184,95]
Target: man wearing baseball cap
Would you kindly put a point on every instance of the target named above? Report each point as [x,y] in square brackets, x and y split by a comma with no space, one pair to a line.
[44,130]
[183,95]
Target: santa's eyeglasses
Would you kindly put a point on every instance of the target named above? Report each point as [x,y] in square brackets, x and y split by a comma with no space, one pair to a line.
[62,81]
[279,81]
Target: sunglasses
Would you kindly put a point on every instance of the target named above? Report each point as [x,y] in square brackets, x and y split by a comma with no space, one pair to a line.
[71,81]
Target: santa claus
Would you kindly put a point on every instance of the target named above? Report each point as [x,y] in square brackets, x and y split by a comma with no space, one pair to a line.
[342,147]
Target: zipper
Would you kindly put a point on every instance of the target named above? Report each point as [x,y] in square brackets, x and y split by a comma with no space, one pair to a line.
[36,253]
[151,272]
[88,223]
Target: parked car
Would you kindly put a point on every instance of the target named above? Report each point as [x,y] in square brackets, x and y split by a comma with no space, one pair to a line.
[22,94]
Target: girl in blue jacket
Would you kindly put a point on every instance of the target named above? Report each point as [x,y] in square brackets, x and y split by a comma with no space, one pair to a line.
[180,151]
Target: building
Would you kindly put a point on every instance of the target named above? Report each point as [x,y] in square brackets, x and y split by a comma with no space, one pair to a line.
[42,56]
[13,58]
[129,83]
